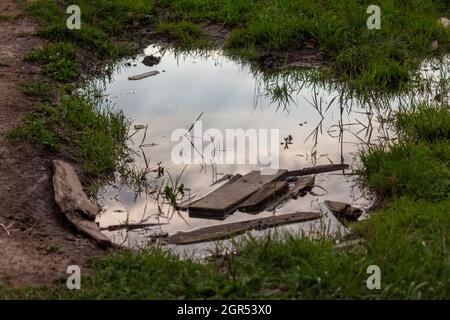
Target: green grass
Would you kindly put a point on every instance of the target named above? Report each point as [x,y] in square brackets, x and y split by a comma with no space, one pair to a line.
[38,89]
[58,60]
[79,125]
[186,33]
[367,59]
[408,240]
[418,164]
[102,21]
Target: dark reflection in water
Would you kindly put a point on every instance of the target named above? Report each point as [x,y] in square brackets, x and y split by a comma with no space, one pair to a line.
[326,124]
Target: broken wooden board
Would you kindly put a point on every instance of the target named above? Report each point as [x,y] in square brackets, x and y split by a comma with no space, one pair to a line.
[228,230]
[183,206]
[265,194]
[318,169]
[88,228]
[302,184]
[143,75]
[227,198]
[69,194]
[73,202]
[343,210]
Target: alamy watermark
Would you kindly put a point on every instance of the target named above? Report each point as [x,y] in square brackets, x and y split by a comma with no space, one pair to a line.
[374,20]
[74,20]
[231,146]
[374,280]
[74,280]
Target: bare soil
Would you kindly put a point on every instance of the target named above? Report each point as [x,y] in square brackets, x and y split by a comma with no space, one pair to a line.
[37,244]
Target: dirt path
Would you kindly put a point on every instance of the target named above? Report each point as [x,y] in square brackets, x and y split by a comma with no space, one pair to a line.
[41,244]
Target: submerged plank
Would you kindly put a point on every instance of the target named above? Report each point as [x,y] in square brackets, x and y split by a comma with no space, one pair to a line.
[230,229]
[266,193]
[302,184]
[226,198]
[143,75]
[318,169]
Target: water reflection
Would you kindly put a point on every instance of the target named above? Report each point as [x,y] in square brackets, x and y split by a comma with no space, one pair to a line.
[323,123]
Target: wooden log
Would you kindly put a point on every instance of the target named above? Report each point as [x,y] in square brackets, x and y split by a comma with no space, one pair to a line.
[343,211]
[73,202]
[227,198]
[143,75]
[228,230]
[265,194]
[302,184]
[69,194]
[318,169]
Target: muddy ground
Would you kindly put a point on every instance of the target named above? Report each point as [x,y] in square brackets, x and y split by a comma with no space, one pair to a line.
[38,244]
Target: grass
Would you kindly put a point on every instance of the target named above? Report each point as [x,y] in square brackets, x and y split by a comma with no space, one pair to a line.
[58,60]
[44,91]
[289,267]
[418,164]
[190,35]
[384,58]
[80,126]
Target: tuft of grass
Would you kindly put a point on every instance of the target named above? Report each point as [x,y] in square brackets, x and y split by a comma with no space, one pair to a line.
[186,33]
[38,89]
[367,59]
[82,127]
[420,171]
[58,60]
[418,164]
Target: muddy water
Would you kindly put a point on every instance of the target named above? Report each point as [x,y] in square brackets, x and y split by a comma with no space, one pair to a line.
[325,128]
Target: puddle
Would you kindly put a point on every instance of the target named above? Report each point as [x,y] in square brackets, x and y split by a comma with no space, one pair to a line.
[325,128]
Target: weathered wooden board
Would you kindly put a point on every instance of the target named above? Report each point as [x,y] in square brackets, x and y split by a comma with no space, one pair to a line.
[183,206]
[73,202]
[303,183]
[230,229]
[318,169]
[266,193]
[69,194]
[229,196]
[342,210]
[143,75]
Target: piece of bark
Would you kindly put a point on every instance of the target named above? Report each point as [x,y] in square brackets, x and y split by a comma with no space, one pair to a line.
[228,230]
[73,202]
[143,75]
[88,227]
[302,184]
[343,210]
[318,169]
[69,194]
[227,198]
[265,194]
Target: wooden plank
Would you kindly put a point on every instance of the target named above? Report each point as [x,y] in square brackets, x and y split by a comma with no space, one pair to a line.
[266,193]
[318,169]
[183,206]
[226,198]
[143,75]
[74,204]
[131,226]
[228,230]
[303,183]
